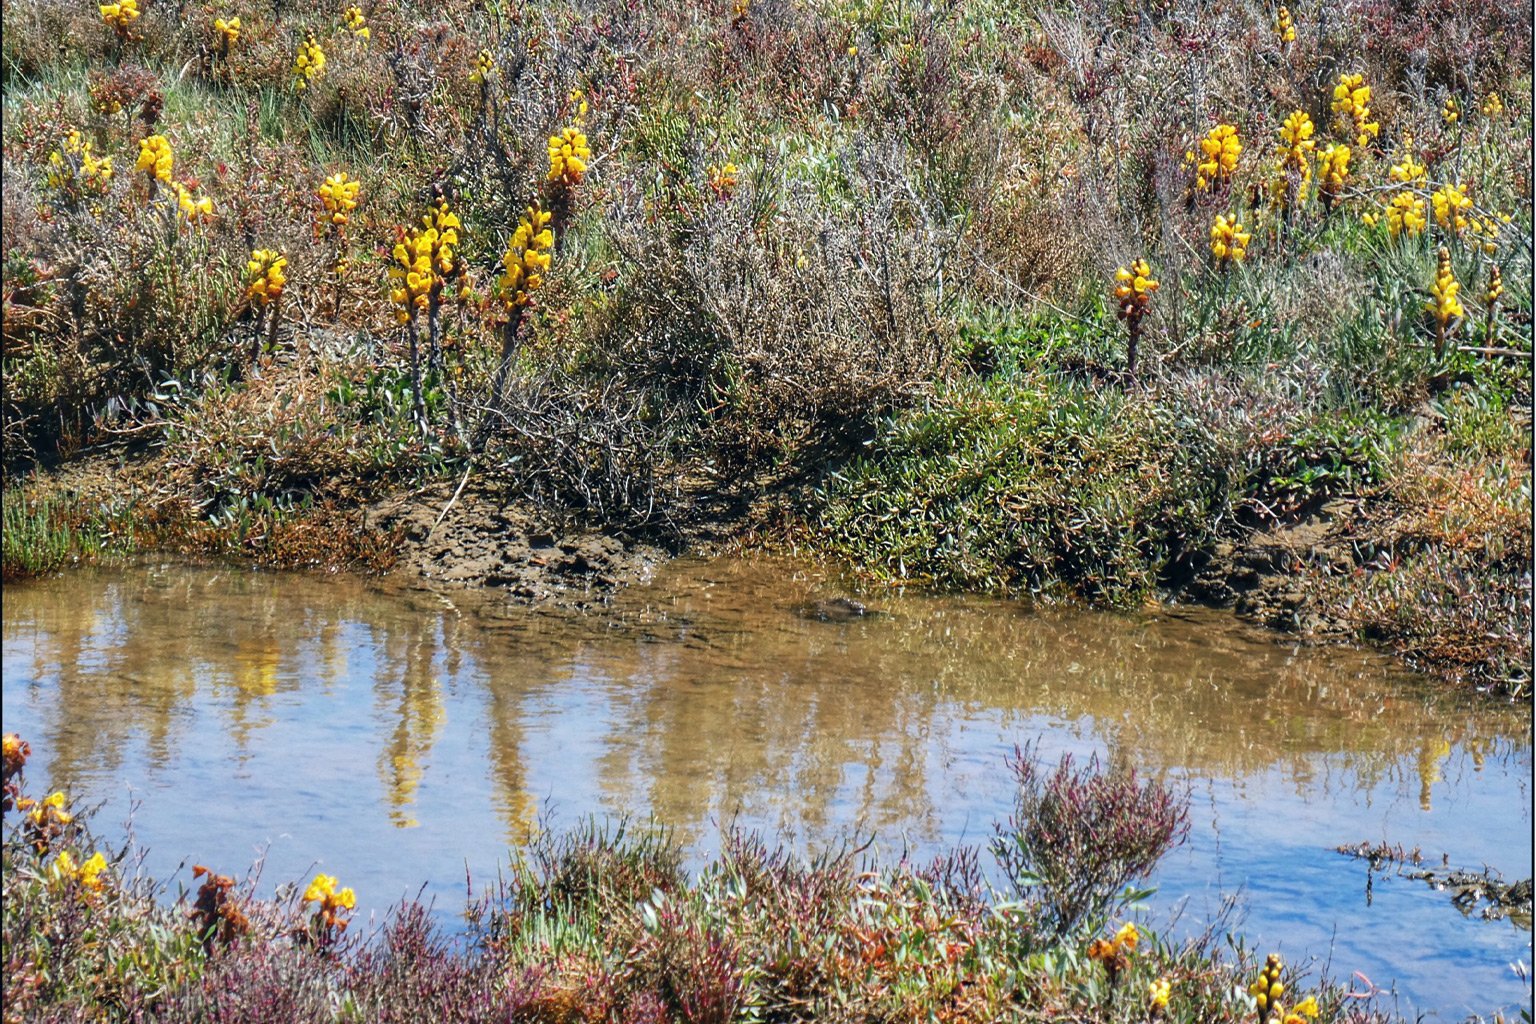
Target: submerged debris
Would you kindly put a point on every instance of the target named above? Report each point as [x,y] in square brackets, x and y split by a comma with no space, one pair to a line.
[1484,892]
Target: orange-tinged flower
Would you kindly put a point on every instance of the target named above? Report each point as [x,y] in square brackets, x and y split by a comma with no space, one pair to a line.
[1219,151]
[338,197]
[265,276]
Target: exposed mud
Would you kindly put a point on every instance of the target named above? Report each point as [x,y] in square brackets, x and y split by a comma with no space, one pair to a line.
[1269,576]
[484,540]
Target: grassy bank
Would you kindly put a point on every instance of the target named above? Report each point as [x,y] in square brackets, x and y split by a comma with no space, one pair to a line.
[603,924]
[1050,298]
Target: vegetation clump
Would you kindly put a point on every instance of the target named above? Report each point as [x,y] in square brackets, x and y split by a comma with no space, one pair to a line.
[636,266]
[602,924]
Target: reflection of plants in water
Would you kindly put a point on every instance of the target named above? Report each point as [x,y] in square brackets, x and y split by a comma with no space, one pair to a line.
[733,701]
[418,718]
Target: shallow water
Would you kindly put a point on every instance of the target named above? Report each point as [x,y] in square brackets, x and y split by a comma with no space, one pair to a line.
[395,737]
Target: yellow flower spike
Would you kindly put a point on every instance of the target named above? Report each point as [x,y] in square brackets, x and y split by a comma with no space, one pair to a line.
[1127,936]
[1445,305]
[1228,240]
[1219,152]
[308,62]
[1451,112]
[485,68]
[1351,105]
[528,253]
[1409,171]
[88,874]
[155,158]
[228,32]
[1405,215]
[1495,285]
[120,15]
[265,276]
[1333,172]
[354,20]
[338,198]
[91,870]
[322,887]
[1158,992]
[1450,204]
[1295,159]
[568,156]
[1492,106]
[1307,1007]
[1285,28]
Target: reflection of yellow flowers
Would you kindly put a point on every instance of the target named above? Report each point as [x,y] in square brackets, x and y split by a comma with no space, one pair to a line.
[1450,206]
[526,259]
[265,277]
[155,158]
[1351,102]
[353,17]
[308,63]
[1228,240]
[338,195]
[87,875]
[120,15]
[568,156]
[1219,151]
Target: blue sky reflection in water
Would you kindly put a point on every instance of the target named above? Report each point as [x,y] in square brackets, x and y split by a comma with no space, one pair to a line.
[395,737]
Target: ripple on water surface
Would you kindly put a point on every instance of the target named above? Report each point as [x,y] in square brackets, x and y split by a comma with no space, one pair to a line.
[395,737]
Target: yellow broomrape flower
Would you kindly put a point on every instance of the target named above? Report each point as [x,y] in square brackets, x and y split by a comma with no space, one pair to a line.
[155,158]
[568,156]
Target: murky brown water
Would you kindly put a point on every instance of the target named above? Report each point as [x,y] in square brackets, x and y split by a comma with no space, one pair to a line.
[396,737]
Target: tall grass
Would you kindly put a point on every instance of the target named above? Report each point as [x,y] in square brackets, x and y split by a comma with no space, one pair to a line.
[41,535]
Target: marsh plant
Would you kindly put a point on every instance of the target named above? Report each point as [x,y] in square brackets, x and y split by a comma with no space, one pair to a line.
[602,923]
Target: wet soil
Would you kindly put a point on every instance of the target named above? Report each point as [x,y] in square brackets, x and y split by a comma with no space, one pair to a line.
[1269,577]
[484,540]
